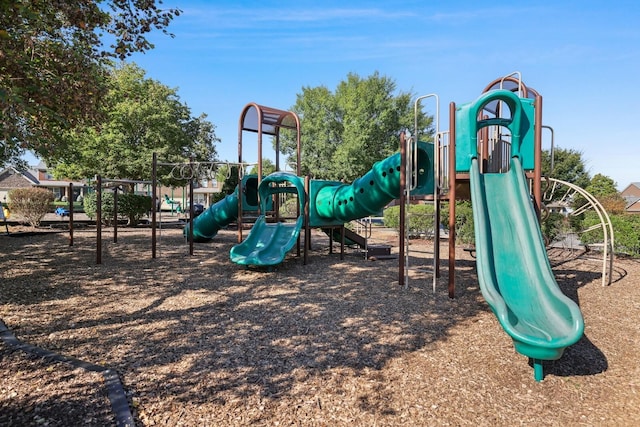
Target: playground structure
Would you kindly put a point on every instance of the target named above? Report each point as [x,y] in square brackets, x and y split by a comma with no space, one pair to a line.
[490,155]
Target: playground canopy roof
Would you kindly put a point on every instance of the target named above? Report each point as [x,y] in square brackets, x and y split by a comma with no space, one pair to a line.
[266,119]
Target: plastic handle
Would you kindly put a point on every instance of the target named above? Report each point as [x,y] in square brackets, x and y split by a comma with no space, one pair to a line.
[513,124]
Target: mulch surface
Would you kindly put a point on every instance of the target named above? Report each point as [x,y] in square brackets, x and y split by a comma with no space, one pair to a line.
[197,340]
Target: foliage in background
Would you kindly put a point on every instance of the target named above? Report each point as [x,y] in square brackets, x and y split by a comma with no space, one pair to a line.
[143,117]
[568,166]
[626,233]
[604,189]
[53,65]
[268,167]
[346,131]
[31,203]
[553,225]
[230,179]
[130,206]
[421,219]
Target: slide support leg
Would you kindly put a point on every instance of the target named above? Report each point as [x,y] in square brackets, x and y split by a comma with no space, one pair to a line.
[538,373]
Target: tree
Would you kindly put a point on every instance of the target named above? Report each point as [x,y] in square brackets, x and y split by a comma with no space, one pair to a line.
[604,189]
[568,166]
[268,167]
[144,116]
[345,132]
[52,65]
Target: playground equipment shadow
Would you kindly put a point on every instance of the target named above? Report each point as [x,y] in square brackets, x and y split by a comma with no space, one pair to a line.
[197,340]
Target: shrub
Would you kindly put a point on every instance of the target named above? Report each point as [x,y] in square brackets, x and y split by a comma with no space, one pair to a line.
[130,206]
[626,233]
[464,222]
[553,225]
[421,219]
[31,203]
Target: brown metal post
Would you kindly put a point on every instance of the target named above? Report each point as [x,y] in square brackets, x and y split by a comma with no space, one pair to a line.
[99,220]
[191,210]
[115,215]
[154,204]
[403,200]
[71,214]
[307,227]
[240,189]
[452,199]
[537,168]
[484,138]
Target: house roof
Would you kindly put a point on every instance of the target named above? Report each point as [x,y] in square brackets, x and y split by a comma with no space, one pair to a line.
[633,184]
[25,174]
[631,201]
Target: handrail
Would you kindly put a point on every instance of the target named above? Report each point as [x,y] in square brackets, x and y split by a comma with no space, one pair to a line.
[411,168]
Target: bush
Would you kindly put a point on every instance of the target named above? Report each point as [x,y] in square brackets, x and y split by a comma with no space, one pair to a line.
[626,233]
[130,206]
[465,233]
[31,203]
[554,225]
[421,219]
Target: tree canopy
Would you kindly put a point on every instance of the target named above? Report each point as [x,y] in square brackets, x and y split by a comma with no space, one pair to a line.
[346,131]
[142,116]
[52,64]
[604,189]
[568,166]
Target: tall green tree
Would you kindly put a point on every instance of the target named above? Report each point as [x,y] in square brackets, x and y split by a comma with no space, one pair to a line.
[568,166]
[346,131]
[268,167]
[52,64]
[144,116]
[604,189]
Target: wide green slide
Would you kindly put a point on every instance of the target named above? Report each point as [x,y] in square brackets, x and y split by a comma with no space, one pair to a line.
[268,243]
[513,269]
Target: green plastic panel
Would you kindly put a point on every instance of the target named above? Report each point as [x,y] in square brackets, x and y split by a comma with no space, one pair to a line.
[521,126]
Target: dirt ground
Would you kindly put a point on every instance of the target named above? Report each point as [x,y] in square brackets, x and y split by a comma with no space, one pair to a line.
[199,341]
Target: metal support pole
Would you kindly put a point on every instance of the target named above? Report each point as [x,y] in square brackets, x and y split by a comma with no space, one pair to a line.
[191,212]
[71,214]
[403,200]
[115,215]
[99,220]
[154,203]
[452,199]
[537,168]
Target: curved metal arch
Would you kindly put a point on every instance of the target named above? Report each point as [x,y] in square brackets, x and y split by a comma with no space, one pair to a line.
[605,224]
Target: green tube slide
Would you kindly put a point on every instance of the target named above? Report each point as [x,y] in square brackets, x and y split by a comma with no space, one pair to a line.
[513,269]
[330,203]
[339,203]
[219,215]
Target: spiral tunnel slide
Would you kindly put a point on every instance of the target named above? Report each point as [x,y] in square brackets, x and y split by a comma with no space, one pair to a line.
[330,203]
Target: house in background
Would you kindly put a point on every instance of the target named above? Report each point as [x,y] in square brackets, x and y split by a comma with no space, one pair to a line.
[37,176]
[631,195]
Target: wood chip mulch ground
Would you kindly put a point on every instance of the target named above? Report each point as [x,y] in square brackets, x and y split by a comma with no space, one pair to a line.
[199,341]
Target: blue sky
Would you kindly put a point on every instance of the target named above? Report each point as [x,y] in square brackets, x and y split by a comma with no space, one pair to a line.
[582,56]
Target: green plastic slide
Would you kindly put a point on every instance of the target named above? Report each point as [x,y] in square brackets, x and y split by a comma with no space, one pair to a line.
[268,243]
[219,215]
[513,269]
